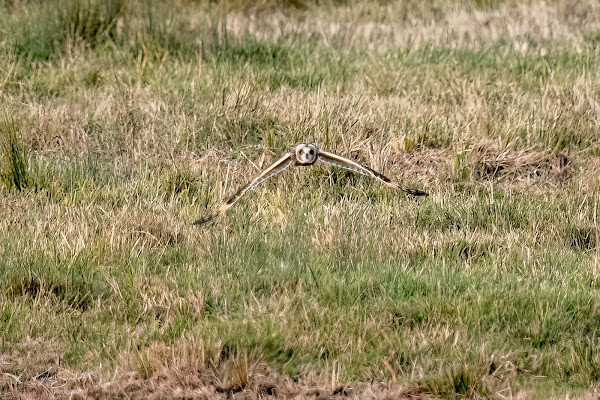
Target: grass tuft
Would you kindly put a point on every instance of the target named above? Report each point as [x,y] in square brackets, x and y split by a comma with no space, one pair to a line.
[14,158]
[178,182]
[50,29]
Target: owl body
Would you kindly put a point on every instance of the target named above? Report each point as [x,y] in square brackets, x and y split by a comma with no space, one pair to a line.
[305,155]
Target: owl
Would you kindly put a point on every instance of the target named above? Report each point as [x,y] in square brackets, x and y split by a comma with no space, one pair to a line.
[302,156]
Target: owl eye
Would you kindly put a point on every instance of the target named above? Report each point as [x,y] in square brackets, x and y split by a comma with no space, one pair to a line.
[301,152]
[311,152]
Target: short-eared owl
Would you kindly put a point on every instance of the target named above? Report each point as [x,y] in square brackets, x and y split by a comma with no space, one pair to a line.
[303,155]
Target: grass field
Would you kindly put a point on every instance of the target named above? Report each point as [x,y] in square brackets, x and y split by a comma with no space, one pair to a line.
[121,122]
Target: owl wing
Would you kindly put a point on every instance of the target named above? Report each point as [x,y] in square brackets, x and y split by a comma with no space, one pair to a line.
[343,162]
[280,165]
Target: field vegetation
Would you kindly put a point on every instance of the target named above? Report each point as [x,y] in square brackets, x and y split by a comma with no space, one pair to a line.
[121,122]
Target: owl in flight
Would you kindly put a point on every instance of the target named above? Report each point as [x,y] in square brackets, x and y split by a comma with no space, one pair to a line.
[304,155]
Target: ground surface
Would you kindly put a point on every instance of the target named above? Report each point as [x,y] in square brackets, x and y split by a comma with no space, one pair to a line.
[122,122]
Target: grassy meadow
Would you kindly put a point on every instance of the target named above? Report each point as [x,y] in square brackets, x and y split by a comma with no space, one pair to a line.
[121,122]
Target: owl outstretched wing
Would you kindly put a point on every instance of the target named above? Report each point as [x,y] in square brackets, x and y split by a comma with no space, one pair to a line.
[280,165]
[343,162]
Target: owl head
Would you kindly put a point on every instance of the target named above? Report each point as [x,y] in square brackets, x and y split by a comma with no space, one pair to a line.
[306,154]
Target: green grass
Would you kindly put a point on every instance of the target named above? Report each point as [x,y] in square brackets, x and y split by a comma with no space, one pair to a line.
[14,157]
[127,121]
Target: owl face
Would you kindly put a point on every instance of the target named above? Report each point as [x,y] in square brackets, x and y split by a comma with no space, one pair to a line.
[306,154]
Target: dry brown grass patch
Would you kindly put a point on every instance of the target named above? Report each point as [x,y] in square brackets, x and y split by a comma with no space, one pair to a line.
[267,384]
[494,160]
